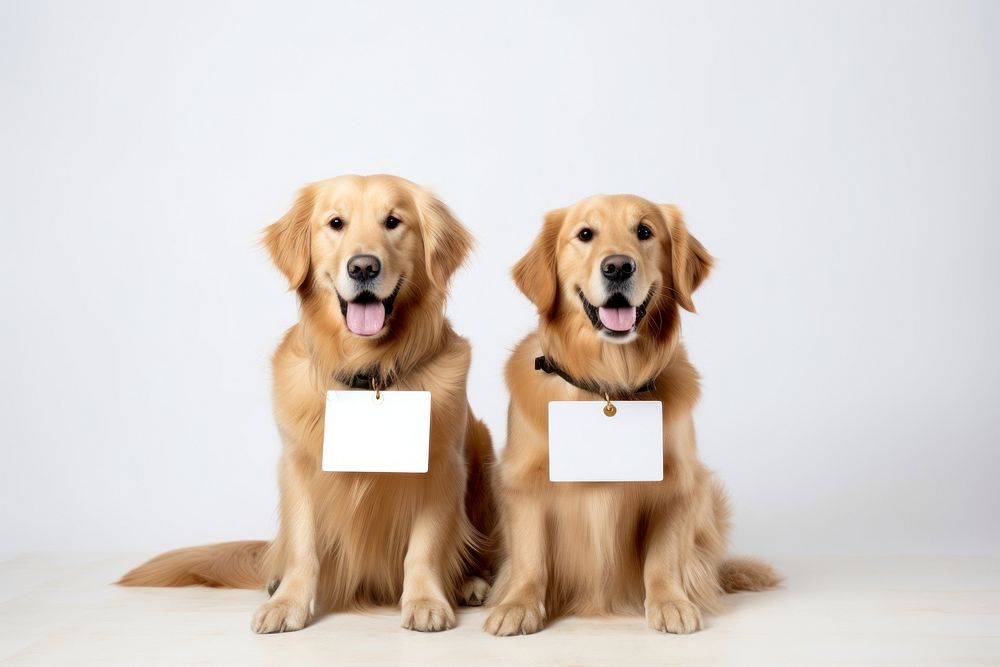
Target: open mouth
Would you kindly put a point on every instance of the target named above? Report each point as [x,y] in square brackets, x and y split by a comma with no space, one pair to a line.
[366,314]
[617,317]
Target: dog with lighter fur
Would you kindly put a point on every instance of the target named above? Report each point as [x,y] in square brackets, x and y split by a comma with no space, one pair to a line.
[370,259]
[609,276]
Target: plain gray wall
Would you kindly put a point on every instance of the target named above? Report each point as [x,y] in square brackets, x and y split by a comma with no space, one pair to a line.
[840,160]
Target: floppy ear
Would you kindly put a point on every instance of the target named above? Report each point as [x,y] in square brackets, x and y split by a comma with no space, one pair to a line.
[690,262]
[535,274]
[446,241]
[288,239]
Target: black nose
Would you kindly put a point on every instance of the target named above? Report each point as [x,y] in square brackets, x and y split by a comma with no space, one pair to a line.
[617,268]
[363,267]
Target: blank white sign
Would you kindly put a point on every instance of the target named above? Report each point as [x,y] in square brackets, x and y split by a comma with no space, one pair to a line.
[392,434]
[585,445]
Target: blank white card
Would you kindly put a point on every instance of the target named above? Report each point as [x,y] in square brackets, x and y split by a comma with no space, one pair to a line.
[585,445]
[391,434]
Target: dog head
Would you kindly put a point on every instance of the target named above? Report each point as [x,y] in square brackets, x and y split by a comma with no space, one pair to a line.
[619,262]
[367,246]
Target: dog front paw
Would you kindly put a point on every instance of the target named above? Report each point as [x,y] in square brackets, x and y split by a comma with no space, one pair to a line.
[281,615]
[676,616]
[515,619]
[428,615]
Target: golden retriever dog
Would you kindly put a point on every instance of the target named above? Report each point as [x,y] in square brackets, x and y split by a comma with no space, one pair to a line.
[608,276]
[370,258]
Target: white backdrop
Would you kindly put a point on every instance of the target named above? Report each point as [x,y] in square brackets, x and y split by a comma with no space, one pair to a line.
[841,160]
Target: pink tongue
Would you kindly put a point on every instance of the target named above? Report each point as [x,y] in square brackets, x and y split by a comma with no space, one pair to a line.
[617,319]
[365,319]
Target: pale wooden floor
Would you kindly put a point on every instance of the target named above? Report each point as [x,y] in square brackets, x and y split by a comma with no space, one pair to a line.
[860,611]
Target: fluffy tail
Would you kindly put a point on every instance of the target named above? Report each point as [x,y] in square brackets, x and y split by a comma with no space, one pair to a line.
[747,574]
[223,565]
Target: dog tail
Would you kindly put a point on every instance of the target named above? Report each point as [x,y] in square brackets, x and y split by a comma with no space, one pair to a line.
[222,565]
[747,574]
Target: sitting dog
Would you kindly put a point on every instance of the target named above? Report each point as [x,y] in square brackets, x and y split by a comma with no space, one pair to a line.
[608,276]
[370,259]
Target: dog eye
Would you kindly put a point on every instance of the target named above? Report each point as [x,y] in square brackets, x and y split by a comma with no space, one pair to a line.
[644,232]
[392,222]
[585,234]
[337,224]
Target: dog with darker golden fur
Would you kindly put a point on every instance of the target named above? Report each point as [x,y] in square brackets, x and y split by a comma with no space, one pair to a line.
[370,259]
[609,276]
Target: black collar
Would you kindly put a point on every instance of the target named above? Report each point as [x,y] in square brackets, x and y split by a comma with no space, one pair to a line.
[544,364]
[367,379]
